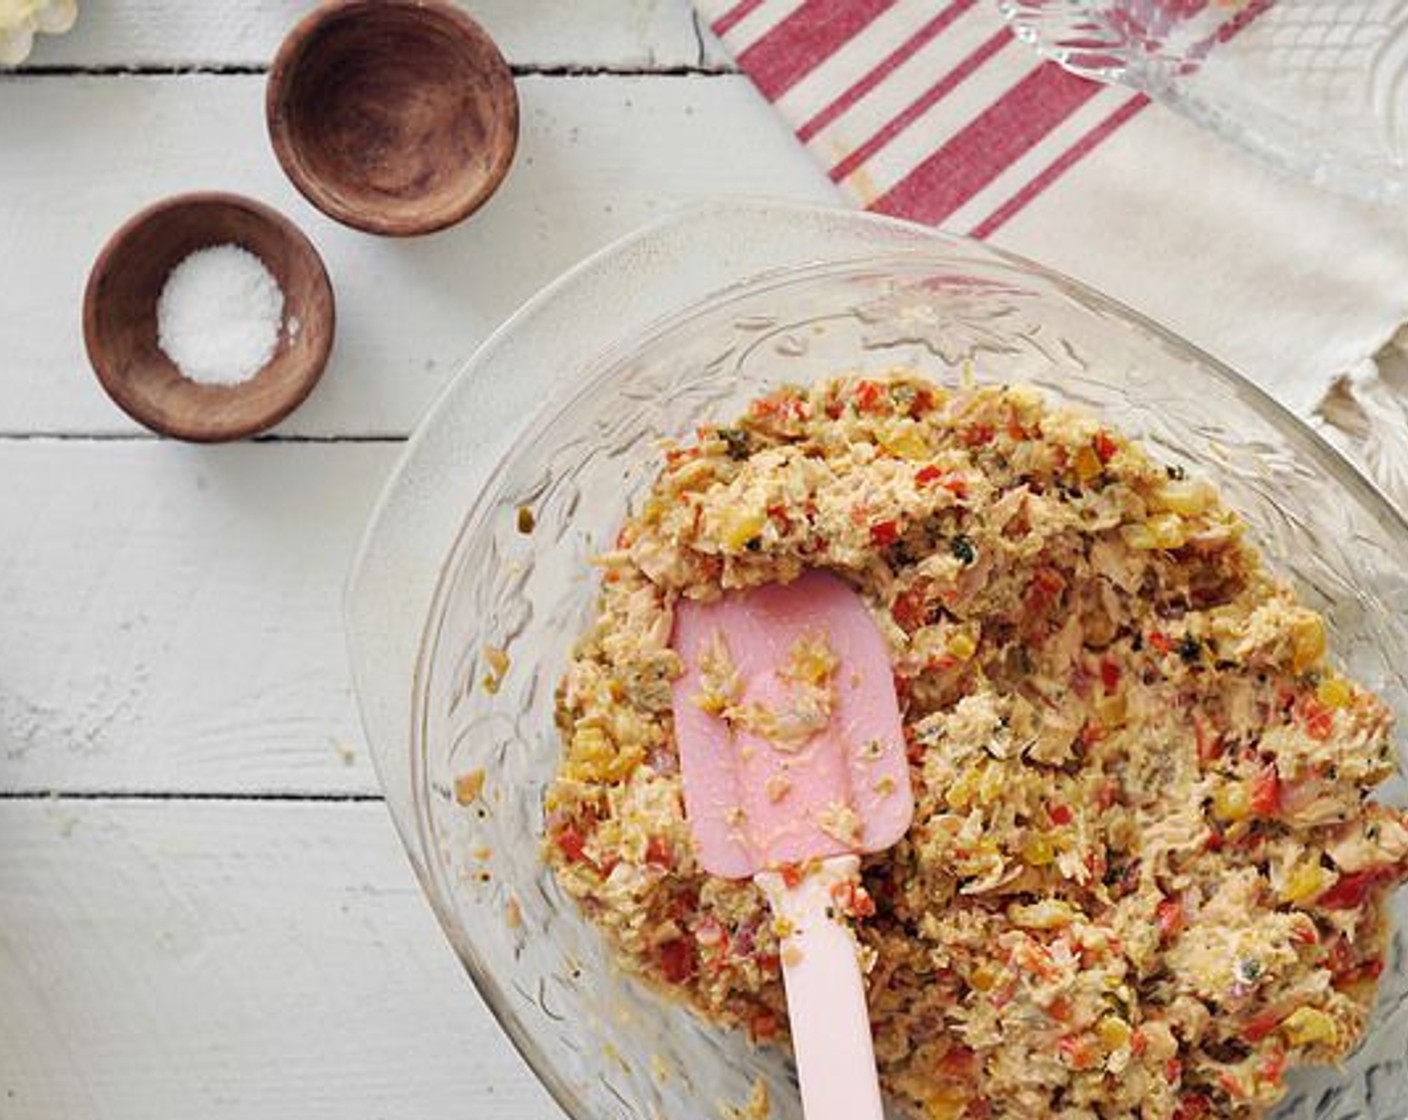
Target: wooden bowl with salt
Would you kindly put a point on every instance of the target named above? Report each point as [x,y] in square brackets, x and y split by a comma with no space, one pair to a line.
[396,117]
[239,375]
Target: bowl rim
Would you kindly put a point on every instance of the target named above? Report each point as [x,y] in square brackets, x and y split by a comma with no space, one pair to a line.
[297,389]
[591,369]
[313,187]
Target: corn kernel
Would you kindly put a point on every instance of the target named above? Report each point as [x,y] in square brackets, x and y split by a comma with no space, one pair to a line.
[1038,851]
[1182,497]
[468,787]
[946,1104]
[904,440]
[594,758]
[1168,530]
[1307,641]
[1088,465]
[1307,1026]
[962,646]
[1304,882]
[1231,801]
[1050,913]
[990,785]
[1113,1033]
[710,703]
[984,978]
[1334,692]
[964,789]
[811,660]
[1112,710]
[738,527]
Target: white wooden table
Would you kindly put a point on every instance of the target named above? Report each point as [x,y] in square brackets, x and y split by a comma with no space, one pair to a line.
[204,911]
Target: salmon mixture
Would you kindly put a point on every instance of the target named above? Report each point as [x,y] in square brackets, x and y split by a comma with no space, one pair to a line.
[1144,877]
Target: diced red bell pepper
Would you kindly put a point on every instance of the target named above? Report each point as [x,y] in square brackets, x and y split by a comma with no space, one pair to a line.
[1266,792]
[852,900]
[1168,915]
[1209,745]
[763,1025]
[975,435]
[1350,891]
[1044,589]
[1231,1085]
[677,960]
[1192,1106]
[657,853]
[869,396]
[1160,641]
[885,533]
[1109,674]
[1319,720]
[791,874]
[571,842]
[1105,446]
[930,475]
[1261,1025]
[1059,814]
[911,609]
[1305,935]
[1371,969]
[1078,1051]
[957,1062]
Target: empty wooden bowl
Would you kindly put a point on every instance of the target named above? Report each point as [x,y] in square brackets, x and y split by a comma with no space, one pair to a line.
[120,318]
[396,117]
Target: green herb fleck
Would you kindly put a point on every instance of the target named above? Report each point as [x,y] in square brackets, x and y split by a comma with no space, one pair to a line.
[1175,472]
[962,547]
[1190,649]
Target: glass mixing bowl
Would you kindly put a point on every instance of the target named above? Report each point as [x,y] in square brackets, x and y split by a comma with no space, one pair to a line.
[1319,87]
[602,1044]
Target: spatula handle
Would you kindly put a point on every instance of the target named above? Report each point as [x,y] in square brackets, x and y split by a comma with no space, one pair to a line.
[825,996]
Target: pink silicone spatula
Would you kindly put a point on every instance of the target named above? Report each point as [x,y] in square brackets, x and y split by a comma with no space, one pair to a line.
[758,801]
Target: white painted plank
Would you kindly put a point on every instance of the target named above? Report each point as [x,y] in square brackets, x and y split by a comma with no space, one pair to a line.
[172,615]
[223,960]
[614,33]
[598,157]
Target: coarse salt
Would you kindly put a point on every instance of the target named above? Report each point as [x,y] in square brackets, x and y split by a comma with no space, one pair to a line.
[219,315]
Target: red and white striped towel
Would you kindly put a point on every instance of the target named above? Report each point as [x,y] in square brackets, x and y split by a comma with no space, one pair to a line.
[931,110]
[924,109]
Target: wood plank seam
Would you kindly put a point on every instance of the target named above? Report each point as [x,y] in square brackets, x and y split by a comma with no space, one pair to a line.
[152,437]
[238,796]
[240,70]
